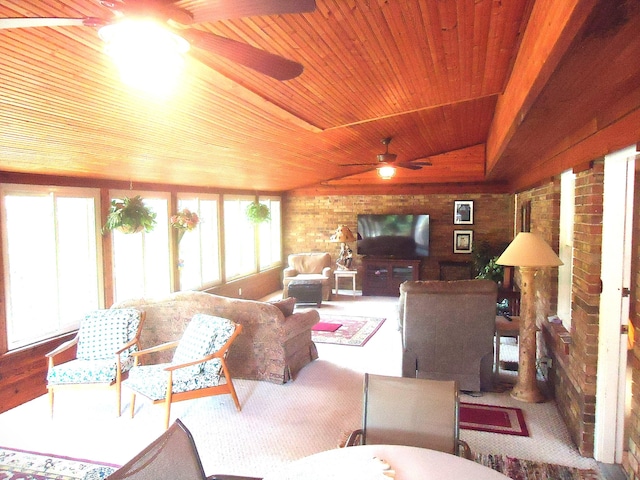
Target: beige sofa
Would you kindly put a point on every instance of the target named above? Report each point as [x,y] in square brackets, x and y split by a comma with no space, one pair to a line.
[272,346]
[309,266]
[447,331]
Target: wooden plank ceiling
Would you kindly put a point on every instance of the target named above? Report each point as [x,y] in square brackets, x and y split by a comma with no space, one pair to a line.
[435,75]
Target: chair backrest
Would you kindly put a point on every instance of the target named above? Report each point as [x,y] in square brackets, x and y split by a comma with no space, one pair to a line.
[411,411]
[102,332]
[204,335]
[309,262]
[172,455]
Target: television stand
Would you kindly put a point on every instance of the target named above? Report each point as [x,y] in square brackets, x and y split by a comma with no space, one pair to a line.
[383,276]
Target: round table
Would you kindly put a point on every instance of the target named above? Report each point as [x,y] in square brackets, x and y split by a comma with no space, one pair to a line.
[368,462]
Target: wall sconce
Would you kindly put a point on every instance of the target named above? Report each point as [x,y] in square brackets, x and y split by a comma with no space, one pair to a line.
[343,235]
[387,172]
[529,253]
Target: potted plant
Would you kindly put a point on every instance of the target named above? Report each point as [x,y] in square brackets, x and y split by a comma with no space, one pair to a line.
[484,259]
[183,221]
[130,215]
[258,213]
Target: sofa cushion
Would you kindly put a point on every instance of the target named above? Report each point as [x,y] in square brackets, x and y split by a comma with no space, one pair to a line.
[286,305]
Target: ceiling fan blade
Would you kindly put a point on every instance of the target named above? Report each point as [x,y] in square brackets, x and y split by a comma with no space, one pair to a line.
[409,166]
[28,22]
[264,62]
[212,10]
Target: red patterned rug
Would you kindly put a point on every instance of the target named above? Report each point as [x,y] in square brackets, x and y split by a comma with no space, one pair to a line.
[354,331]
[518,469]
[25,465]
[492,418]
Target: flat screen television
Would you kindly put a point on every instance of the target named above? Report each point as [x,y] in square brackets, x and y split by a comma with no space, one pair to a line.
[401,236]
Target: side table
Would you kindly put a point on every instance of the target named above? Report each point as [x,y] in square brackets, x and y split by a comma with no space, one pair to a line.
[346,274]
[504,328]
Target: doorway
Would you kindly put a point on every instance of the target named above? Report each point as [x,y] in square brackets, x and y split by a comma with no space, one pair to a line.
[617,223]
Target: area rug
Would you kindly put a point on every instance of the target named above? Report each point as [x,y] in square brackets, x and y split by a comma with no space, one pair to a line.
[326,327]
[518,469]
[354,331]
[492,418]
[25,465]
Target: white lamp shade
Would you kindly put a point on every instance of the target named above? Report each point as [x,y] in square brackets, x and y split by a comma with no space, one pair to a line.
[529,250]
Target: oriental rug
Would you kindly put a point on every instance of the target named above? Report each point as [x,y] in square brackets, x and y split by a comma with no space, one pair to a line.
[492,418]
[354,331]
[25,465]
[518,469]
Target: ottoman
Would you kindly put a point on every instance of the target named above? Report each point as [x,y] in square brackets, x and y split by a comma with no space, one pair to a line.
[306,291]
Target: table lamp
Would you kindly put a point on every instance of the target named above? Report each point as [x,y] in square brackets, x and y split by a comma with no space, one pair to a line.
[343,235]
[529,253]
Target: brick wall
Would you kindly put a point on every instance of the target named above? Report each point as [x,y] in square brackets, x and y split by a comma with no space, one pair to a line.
[573,377]
[309,221]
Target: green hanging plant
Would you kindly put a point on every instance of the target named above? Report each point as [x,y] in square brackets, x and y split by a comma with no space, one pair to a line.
[258,213]
[130,215]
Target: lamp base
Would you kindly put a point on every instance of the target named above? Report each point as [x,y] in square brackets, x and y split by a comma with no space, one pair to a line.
[527,394]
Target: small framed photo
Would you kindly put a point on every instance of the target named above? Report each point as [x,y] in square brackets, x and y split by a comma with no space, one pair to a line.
[462,241]
[463,212]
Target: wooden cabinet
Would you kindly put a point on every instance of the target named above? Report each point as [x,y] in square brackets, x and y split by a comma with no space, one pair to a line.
[383,276]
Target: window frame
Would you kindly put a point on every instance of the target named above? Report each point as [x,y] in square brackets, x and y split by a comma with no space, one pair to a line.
[54,192]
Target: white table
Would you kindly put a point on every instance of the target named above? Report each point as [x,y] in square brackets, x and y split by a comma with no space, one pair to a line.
[359,463]
[347,274]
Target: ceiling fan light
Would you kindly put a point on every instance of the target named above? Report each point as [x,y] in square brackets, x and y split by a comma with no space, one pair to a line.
[387,172]
[148,56]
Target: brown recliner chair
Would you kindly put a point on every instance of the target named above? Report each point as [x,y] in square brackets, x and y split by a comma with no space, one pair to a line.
[309,267]
[448,330]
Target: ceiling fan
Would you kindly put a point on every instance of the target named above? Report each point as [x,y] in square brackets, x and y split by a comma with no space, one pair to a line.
[178,15]
[389,159]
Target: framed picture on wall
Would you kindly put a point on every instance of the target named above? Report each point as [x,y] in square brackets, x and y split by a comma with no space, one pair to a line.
[462,241]
[463,212]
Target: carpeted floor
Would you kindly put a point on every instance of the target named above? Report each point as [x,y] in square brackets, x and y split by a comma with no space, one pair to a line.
[278,423]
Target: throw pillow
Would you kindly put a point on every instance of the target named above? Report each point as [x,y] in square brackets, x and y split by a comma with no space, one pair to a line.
[286,306]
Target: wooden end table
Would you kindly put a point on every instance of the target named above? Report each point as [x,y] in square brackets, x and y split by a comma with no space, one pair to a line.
[504,328]
[346,274]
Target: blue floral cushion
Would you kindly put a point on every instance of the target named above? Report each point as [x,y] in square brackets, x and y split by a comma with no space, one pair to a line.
[204,335]
[101,334]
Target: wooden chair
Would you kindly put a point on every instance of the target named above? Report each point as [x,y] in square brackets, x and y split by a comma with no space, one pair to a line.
[105,344]
[410,411]
[172,455]
[198,363]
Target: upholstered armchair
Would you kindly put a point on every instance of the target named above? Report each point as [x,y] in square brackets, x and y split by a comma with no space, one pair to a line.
[309,266]
[447,331]
[105,343]
[199,362]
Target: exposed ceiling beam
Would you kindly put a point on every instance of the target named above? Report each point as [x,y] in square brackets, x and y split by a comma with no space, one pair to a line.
[551,29]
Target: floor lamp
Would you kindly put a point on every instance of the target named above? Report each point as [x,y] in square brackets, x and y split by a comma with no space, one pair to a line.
[529,253]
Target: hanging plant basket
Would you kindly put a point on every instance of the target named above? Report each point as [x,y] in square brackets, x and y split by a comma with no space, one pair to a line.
[130,215]
[183,221]
[258,213]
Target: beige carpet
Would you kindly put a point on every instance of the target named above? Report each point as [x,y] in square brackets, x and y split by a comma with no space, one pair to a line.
[278,423]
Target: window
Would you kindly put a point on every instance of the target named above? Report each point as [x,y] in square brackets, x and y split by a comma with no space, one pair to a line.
[565,271]
[51,253]
[270,234]
[199,249]
[239,238]
[141,265]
